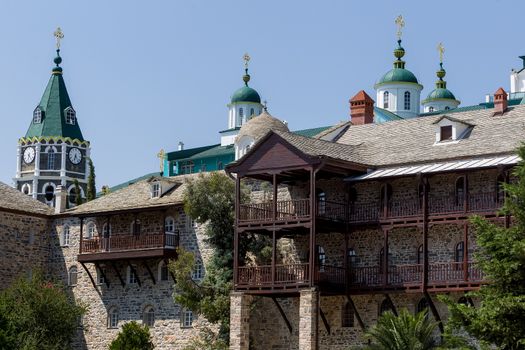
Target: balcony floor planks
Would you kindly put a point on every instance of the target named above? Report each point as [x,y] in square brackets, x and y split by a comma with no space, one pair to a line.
[127,255]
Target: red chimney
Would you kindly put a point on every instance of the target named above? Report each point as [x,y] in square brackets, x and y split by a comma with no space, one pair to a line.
[500,101]
[361,109]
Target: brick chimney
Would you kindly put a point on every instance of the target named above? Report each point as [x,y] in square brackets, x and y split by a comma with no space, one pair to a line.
[60,199]
[361,109]
[500,101]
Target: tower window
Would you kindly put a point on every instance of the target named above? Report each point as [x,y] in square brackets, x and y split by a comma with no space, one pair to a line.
[241,115]
[385,99]
[37,116]
[252,112]
[447,108]
[26,189]
[70,116]
[51,157]
[431,109]
[49,193]
[407,100]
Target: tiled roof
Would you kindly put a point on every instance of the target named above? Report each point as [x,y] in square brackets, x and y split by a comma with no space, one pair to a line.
[413,140]
[136,196]
[131,182]
[11,198]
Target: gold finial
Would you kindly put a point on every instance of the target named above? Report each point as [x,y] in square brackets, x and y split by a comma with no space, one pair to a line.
[246,59]
[59,35]
[161,155]
[441,50]
[400,22]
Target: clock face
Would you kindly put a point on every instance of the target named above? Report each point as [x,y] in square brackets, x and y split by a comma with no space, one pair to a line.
[75,156]
[29,155]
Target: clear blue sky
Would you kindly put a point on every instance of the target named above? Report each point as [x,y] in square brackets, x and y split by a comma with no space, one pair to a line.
[143,75]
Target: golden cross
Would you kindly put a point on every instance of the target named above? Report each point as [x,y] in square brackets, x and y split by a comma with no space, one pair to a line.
[161,155]
[441,50]
[400,22]
[246,59]
[59,36]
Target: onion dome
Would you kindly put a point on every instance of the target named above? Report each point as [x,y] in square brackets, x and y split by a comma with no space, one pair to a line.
[398,73]
[246,93]
[259,126]
[440,92]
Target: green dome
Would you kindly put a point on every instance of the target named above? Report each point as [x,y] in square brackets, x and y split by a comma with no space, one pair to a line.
[440,93]
[398,75]
[246,94]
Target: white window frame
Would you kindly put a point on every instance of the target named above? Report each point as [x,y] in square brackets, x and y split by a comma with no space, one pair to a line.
[169,224]
[37,116]
[406,101]
[28,187]
[113,318]
[70,116]
[155,189]
[198,272]
[132,276]
[91,230]
[65,236]
[163,266]
[386,98]
[72,280]
[186,318]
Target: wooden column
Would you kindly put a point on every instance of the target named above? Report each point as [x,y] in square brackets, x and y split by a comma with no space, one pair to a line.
[274,256]
[465,251]
[312,227]
[385,258]
[274,204]
[345,260]
[236,232]
[385,200]
[465,193]
[81,234]
[164,229]
[507,216]
[424,281]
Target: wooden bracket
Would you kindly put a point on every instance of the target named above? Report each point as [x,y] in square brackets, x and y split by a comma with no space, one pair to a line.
[283,315]
[118,274]
[325,321]
[134,272]
[434,311]
[394,310]
[149,271]
[103,274]
[90,277]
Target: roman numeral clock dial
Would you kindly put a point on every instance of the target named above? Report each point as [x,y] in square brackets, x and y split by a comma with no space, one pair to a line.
[29,155]
[75,156]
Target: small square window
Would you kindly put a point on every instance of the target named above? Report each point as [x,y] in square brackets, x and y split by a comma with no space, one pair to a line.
[446,133]
[186,319]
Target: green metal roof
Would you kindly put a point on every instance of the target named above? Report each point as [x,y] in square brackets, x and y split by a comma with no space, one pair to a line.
[246,94]
[53,104]
[215,152]
[382,115]
[440,93]
[398,75]
[187,153]
[311,132]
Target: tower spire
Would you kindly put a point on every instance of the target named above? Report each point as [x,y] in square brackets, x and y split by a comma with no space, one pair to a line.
[441,84]
[59,35]
[246,77]
[399,52]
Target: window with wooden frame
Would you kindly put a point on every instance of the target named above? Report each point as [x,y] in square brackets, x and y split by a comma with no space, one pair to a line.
[445,133]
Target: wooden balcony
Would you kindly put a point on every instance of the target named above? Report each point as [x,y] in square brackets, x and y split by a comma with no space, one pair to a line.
[333,279]
[128,246]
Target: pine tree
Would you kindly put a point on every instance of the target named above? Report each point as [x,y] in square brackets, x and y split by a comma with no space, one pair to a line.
[78,193]
[91,187]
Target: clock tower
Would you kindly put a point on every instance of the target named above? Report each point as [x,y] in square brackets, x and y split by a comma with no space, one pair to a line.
[53,152]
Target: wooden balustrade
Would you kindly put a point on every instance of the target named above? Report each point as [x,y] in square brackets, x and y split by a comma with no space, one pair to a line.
[405,274]
[286,210]
[331,210]
[328,274]
[123,242]
[289,274]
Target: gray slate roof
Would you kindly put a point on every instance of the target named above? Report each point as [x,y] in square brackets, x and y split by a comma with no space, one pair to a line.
[412,141]
[11,198]
[136,196]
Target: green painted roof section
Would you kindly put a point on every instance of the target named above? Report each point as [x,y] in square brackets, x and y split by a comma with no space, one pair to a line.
[53,103]
[382,115]
[217,151]
[187,153]
[246,94]
[440,93]
[311,132]
[398,75]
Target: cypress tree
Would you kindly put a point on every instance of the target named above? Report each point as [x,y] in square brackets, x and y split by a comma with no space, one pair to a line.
[78,193]
[91,188]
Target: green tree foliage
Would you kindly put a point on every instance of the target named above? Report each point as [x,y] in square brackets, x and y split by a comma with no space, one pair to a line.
[403,332]
[207,340]
[91,187]
[37,315]
[105,190]
[78,193]
[500,317]
[132,337]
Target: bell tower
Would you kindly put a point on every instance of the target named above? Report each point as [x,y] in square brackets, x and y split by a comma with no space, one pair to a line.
[53,151]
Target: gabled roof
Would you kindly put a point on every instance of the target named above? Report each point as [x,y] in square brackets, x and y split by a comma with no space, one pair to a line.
[54,102]
[13,200]
[455,120]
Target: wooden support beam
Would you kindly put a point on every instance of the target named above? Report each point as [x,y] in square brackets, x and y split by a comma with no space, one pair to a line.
[99,269]
[385,257]
[274,257]
[424,281]
[465,252]
[236,232]
[118,274]
[325,321]
[356,312]
[394,310]
[149,271]
[434,311]
[132,270]
[312,228]
[283,315]
[90,277]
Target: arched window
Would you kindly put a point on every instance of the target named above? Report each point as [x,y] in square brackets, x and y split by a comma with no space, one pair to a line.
[241,114]
[420,254]
[431,109]
[459,253]
[72,276]
[321,202]
[186,318]
[347,316]
[163,271]
[106,230]
[351,256]
[70,116]
[148,316]
[460,190]
[407,100]
[51,157]
[72,194]
[65,236]
[252,112]
[385,99]
[37,116]
[135,227]
[169,224]
[132,275]
[198,271]
[49,192]
[422,306]
[26,189]
[386,305]
[113,317]
[91,230]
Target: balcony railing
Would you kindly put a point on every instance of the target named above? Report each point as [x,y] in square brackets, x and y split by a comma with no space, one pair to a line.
[126,242]
[368,277]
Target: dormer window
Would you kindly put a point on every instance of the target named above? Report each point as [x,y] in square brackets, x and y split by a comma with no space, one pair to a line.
[70,116]
[155,190]
[37,116]
[446,133]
